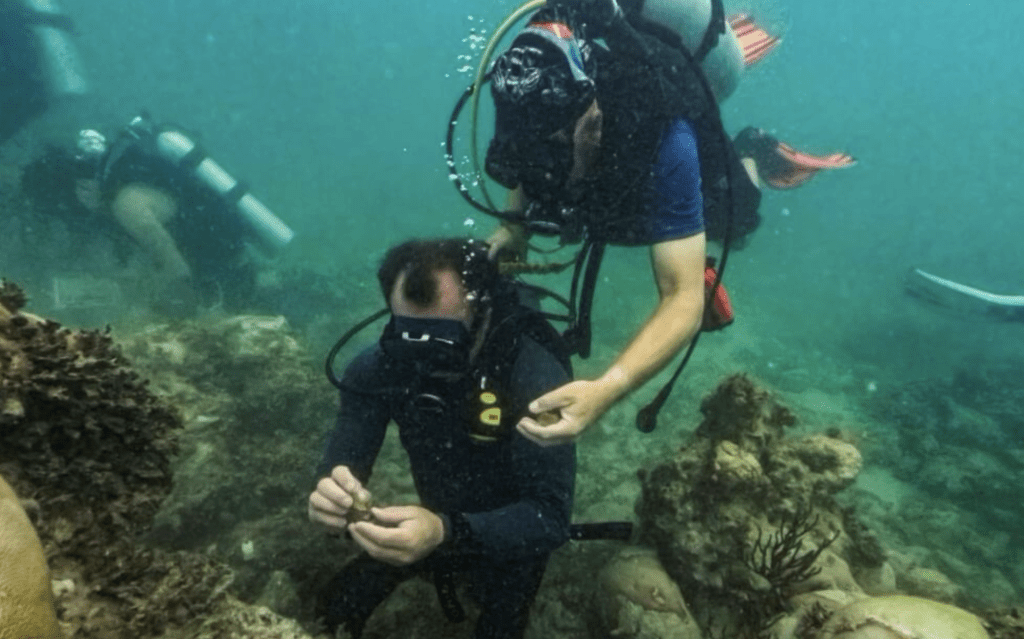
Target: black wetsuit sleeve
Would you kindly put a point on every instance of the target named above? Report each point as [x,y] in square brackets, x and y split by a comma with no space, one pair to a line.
[538,522]
[363,416]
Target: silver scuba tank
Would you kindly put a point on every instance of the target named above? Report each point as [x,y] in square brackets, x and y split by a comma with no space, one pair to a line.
[271,231]
[690,19]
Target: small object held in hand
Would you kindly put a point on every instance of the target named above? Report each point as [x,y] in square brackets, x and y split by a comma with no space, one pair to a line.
[360,510]
[548,418]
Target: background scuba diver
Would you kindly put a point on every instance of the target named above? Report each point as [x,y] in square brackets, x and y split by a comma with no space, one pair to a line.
[622,145]
[143,190]
[38,62]
[458,347]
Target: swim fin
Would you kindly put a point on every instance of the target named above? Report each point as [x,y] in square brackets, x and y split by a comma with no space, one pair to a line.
[779,165]
[755,42]
[950,294]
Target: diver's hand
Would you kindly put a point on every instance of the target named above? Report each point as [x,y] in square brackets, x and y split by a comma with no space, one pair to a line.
[579,403]
[334,496]
[508,242]
[399,535]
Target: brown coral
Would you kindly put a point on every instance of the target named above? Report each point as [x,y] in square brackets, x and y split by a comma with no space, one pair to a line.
[741,514]
[81,435]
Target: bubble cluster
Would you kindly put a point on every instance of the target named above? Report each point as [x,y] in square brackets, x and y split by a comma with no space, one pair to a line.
[476,41]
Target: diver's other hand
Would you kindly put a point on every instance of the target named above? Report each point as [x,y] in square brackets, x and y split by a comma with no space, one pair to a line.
[579,403]
[507,243]
[399,535]
[334,497]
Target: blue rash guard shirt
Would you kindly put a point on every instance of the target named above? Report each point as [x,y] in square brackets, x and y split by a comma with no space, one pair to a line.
[678,207]
[515,496]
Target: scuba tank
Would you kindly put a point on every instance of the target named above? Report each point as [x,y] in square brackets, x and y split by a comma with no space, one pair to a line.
[63,68]
[704,31]
[182,151]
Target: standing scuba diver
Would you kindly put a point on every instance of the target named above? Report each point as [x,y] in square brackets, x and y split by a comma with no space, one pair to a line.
[607,131]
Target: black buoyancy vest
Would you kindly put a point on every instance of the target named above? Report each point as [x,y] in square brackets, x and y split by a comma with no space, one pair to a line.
[641,93]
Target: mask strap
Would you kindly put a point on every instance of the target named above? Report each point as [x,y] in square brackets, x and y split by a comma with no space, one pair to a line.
[562,37]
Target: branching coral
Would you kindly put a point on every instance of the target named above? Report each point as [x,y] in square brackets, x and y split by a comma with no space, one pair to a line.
[781,560]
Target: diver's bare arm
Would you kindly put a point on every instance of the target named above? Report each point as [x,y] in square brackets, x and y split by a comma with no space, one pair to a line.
[678,267]
[139,209]
[679,273]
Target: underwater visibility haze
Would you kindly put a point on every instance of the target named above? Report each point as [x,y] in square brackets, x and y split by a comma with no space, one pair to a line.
[335,115]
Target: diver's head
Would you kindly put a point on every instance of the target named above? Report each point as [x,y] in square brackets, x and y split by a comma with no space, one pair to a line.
[449,278]
[541,86]
[440,293]
[447,298]
[55,179]
[90,149]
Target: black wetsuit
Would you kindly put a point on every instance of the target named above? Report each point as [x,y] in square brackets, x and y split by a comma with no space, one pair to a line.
[647,87]
[506,504]
[210,234]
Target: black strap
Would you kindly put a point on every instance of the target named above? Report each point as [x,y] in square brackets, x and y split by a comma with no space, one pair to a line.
[716,27]
[611,530]
[141,134]
[578,336]
[647,417]
[444,584]
[193,158]
[344,339]
[237,192]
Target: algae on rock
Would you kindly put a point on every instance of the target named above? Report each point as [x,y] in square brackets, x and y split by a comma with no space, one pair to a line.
[741,515]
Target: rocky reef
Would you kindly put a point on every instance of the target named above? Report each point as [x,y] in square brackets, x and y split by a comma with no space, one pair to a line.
[26,598]
[958,441]
[88,446]
[743,518]
[256,409]
[742,535]
[75,415]
[167,475]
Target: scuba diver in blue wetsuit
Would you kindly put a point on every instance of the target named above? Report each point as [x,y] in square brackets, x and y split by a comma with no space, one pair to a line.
[455,368]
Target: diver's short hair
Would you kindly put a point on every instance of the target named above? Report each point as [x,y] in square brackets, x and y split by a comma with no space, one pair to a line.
[420,260]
